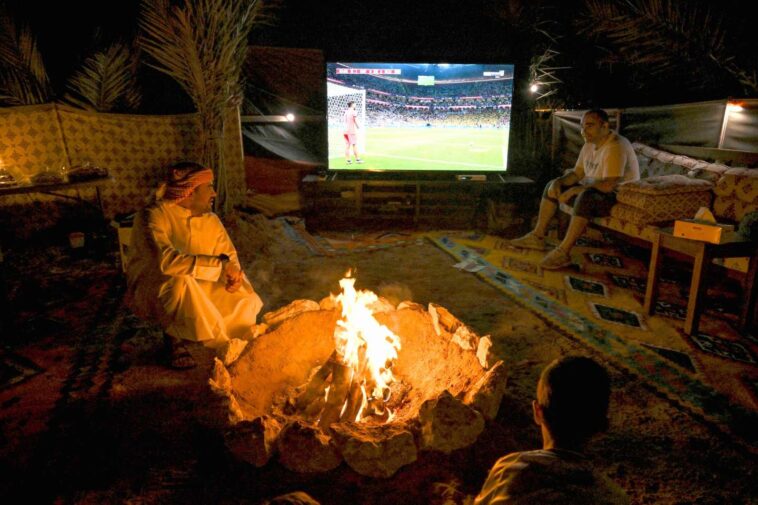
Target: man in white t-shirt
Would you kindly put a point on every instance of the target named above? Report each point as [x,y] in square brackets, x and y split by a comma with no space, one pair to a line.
[606,160]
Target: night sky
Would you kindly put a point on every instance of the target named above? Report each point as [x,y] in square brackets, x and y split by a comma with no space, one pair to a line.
[474,31]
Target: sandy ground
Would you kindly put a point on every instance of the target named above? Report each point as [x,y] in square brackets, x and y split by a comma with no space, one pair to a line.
[656,452]
[154,435]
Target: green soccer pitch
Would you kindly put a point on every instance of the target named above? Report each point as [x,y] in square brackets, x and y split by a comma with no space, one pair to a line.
[429,149]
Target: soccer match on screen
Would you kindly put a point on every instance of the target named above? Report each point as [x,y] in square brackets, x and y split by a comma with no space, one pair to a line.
[415,116]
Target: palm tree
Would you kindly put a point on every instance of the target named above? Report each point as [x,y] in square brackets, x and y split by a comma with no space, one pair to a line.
[23,78]
[202,44]
[106,81]
[668,39]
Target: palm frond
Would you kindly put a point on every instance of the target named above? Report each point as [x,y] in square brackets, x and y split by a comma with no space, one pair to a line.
[202,45]
[106,81]
[23,78]
[663,37]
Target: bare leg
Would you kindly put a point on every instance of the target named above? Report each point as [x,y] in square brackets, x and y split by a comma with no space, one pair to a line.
[576,227]
[546,213]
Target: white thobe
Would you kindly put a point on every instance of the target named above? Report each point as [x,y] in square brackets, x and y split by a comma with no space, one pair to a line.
[175,278]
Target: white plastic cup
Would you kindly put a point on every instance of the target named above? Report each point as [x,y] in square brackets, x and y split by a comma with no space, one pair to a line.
[76,239]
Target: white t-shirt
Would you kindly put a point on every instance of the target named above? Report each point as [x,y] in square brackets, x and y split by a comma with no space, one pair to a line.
[614,158]
[548,477]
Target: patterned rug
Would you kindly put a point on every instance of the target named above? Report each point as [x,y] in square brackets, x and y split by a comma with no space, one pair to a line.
[338,243]
[596,301]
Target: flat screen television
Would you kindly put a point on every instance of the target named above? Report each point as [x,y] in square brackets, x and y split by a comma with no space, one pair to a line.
[426,117]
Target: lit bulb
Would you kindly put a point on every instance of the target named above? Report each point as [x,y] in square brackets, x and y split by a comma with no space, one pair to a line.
[533,88]
[290,117]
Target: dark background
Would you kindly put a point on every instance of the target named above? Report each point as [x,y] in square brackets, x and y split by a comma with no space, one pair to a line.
[499,31]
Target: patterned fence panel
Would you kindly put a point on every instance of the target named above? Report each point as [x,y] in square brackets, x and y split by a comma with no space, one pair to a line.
[134,149]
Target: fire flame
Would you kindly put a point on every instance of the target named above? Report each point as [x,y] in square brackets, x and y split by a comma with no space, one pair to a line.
[366,346]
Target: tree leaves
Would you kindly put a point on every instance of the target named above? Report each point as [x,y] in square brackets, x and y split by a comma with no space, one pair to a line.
[106,82]
[667,39]
[23,79]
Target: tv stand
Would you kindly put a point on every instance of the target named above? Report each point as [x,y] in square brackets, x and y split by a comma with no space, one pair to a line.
[424,177]
[350,199]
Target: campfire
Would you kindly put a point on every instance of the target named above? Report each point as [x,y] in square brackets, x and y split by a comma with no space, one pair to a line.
[355,378]
[354,383]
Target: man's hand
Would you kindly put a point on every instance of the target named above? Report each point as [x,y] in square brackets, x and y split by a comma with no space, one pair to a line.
[570,193]
[233,276]
[554,190]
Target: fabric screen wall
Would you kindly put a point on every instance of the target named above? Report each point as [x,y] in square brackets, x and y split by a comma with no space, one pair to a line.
[695,124]
[741,132]
[134,149]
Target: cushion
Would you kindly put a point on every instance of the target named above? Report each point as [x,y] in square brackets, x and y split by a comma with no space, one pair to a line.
[736,193]
[704,174]
[663,198]
[654,162]
[632,215]
[665,185]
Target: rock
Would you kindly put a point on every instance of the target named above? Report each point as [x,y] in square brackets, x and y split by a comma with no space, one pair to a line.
[328,303]
[375,450]
[282,358]
[382,305]
[253,441]
[231,350]
[483,351]
[220,381]
[447,424]
[485,395]
[407,304]
[446,320]
[465,338]
[304,448]
[294,308]
[296,498]
[435,319]
[257,330]
[235,412]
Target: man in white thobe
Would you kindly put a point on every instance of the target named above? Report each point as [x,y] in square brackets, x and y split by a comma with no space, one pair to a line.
[183,271]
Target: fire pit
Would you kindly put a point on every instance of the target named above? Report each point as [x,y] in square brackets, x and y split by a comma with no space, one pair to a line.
[358,379]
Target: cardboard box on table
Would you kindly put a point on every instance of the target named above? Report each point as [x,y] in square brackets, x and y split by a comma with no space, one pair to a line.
[696,229]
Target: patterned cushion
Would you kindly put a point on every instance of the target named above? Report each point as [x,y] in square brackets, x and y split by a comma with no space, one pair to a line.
[654,162]
[665,185]
[736,193]
[704,173]
[632,214]
[662,198]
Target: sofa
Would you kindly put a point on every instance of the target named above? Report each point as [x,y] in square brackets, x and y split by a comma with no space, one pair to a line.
[674,186]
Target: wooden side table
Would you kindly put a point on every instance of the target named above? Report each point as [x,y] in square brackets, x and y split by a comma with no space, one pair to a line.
[703,253]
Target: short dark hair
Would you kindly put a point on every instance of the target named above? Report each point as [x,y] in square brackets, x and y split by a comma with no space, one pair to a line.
[600,114]
[350,104]
[574,393]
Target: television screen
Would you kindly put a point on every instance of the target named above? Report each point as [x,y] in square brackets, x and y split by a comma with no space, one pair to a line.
[419,116]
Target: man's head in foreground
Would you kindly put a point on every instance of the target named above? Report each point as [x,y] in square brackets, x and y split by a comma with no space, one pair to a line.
[572,402]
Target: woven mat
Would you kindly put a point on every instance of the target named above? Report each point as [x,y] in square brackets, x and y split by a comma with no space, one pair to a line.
[583,301]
